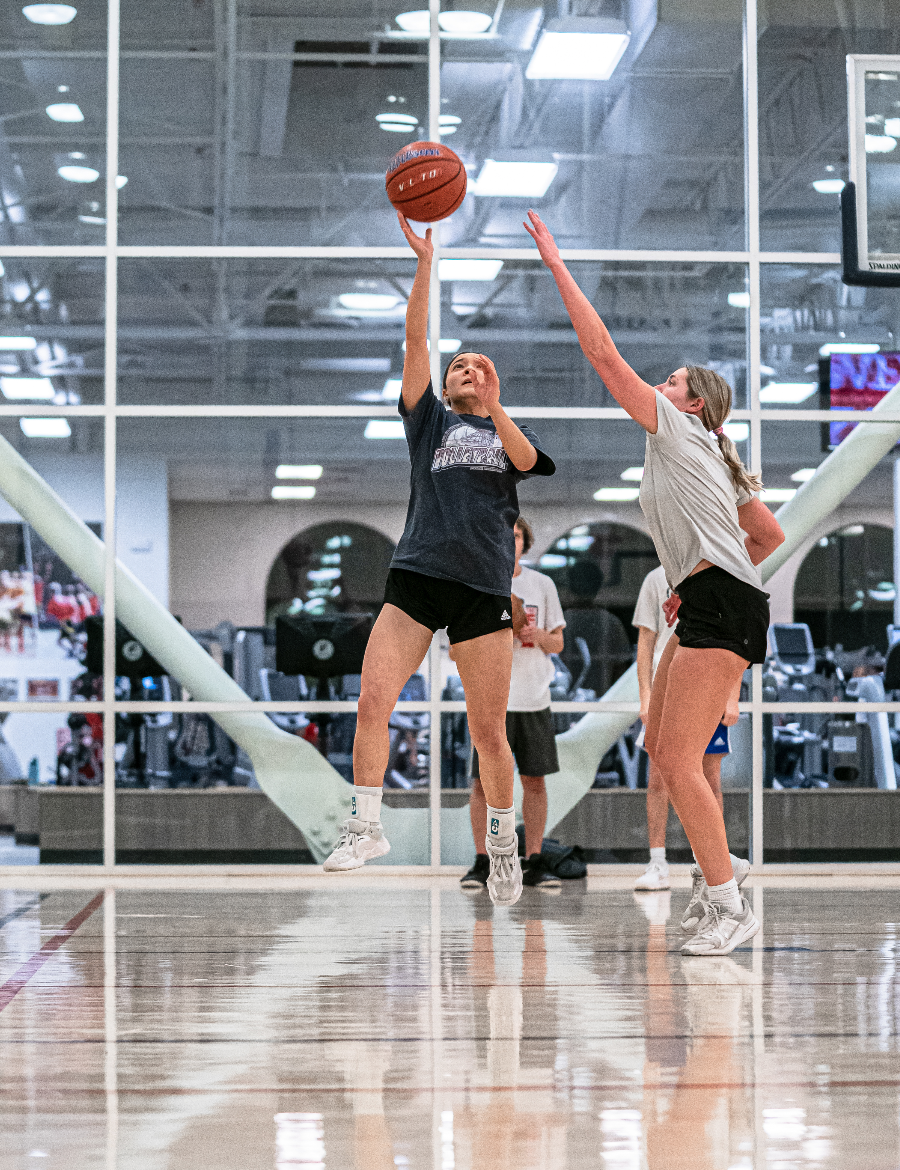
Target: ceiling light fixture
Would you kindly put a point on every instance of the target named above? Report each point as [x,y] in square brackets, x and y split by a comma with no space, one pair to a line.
[368,302]
[392,389]
[804,474]
[397,123]
[524,180]
[76,174]
[415,22]
[45,428]
[738,432]
[463,24]
[384,428]
[11,343]
[49,13]
[65,112]
[27,389]
[777,495]
[92,219]
[293,491]
[459,24]
[618,494]
[633,473]
[787,391]
[880,143]
[469,269]
[121,180]
[298,471]
[848,347]
[739,300]
[578,48]
[828,186]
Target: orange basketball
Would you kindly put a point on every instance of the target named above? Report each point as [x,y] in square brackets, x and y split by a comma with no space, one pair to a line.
[426,181]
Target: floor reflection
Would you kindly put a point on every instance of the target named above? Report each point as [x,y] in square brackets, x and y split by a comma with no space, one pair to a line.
[375,1025]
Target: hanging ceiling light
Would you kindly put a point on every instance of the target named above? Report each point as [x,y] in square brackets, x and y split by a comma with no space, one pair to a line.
[457,24]
[397,123]
[78,174]
[49,13]
[65,112]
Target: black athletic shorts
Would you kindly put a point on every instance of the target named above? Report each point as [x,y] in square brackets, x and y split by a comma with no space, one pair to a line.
[719,611]
[533,743]
[436,603]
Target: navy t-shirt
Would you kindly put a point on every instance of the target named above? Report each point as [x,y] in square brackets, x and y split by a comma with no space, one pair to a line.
[463,503]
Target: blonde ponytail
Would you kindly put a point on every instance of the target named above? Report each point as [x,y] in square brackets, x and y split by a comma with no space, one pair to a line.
[716,395]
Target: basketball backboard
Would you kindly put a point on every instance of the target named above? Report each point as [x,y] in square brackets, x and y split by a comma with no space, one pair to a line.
[870,202]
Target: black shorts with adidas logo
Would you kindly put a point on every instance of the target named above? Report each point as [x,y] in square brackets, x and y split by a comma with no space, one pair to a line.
[436,603]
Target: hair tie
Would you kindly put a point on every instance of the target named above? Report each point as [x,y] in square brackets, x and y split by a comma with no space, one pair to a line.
[718,430]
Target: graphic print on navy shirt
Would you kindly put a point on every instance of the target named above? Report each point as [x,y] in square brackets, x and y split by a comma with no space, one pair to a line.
[468,446]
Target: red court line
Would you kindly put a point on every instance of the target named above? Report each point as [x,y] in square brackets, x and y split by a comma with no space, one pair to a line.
[11,988]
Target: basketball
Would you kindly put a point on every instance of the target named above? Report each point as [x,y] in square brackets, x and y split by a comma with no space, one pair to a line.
[426,181]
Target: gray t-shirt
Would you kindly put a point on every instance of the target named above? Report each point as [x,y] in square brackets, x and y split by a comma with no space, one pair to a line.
[690,500]
[463,503]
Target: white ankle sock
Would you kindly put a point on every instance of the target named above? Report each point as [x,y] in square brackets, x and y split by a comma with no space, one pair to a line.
[727,895]
[658,854]
[501,823]
[365,803]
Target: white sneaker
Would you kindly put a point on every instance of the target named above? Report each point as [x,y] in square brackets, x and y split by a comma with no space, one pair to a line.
[360,841]
[720,931]
[696,908]
[654,877]
[505,879]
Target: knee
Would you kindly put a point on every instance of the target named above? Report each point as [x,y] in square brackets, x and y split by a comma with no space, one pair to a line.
[533,785]
[370,709]
[655,781]
[664,761]
[489,741]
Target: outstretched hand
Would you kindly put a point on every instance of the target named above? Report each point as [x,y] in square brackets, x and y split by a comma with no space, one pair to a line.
[543,237]
[422,247]
[486,383]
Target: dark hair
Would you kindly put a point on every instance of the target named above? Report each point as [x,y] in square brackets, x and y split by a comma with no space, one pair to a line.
[527,535]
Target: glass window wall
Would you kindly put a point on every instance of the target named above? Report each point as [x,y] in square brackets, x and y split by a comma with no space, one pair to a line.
[209,366]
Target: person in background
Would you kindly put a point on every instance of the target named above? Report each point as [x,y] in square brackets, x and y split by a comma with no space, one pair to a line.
[653,634]
[529,723]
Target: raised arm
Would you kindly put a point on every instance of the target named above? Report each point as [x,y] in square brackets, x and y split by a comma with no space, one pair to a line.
[416,366]
[630,391]
[764,533]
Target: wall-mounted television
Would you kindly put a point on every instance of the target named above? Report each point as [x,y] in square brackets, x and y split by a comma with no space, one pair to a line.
[853,381]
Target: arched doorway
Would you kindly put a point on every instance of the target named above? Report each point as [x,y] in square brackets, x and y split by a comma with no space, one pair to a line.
[598,570]
[335,567]
[844,589]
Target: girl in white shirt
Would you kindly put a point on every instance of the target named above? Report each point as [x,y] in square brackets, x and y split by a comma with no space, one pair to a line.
[710,534]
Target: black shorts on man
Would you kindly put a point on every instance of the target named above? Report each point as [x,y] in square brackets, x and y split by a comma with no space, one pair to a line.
[436,603]
[533,742]
[718,611]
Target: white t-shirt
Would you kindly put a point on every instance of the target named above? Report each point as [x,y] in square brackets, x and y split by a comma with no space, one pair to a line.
[690,500]
[649,611]
[532,670]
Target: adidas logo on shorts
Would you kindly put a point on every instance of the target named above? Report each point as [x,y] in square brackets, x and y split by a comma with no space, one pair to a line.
[504,617]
